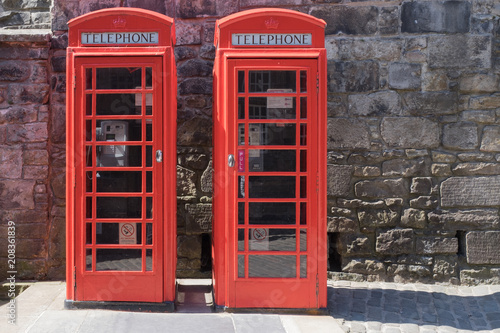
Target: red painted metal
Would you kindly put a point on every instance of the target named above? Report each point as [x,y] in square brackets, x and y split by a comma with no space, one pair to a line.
[156,284]
[234,288]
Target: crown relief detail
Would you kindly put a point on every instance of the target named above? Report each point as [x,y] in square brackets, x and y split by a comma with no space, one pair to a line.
[271,23]
[119,22]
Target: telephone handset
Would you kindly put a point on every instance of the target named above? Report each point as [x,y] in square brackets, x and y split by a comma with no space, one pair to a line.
[112,155]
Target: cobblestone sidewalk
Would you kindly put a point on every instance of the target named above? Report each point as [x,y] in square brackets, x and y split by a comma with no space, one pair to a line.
[414,308]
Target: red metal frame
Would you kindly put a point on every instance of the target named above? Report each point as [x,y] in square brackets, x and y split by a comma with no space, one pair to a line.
[231,291]
[161,57]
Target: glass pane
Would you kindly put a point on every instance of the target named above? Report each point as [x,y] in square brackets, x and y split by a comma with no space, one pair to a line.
[149,156]
[303,107]
[118,78]
[149,104]
[241,239]
[88,205]
[272,213]
[303,186]
[119,207]
[119,181]
[149,260]
[119,130]
[303,213]
[271,160]
[303,160]
[149,77]
[271,134]
[88,186]
[88,233]
[241,81]
[88,78]
[277,266]
[241,266]
[88,105]
[303,81]
[149,130]
[280,107]
[149,181]
[271,187]
[265,239]
[262,81]
[118,233]
[149,233]
[88,259]
[88,156]
[241,213]
[303,134]
[303,239]
[149,208]
[241,186]
[88,130]
[241,134]
[303,267]
[118,104]
[119,156]
[241,108]
[118,260]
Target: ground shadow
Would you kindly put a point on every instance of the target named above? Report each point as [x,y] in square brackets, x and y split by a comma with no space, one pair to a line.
[390,306]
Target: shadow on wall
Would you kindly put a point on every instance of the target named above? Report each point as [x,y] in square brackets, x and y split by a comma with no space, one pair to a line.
[376,307]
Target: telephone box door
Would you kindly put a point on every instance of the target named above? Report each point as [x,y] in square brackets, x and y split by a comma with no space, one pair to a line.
[273,226]
[119,180]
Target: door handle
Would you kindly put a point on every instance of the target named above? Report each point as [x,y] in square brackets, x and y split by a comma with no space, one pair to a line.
[159,156]
[230,160]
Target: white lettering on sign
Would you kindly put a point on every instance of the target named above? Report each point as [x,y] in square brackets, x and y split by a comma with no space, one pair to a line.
[271,39]
[119,38]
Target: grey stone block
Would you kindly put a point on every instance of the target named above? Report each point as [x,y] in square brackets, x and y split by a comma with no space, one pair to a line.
[353,76]
[339,179]
[347,133]
[403,167]
[461,136]
[470,191]
[410,132]
[394,242]
[374,218]
[413,218]
[460,51]
[435,245]
[482,247]
[404,76]
[466,219]
[433,16]
[491,139]
[381,188]
[350,20]
[430,103]
[383,103]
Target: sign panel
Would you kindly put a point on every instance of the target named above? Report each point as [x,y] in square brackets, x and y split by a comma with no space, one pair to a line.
[119,38]
[271,39]
[128,233]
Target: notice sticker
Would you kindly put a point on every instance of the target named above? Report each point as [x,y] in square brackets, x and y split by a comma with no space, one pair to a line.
[281,102]
[128,233]
[241,160]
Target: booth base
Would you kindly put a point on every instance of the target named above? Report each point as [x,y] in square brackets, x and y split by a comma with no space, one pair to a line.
[282,311]
[120,306]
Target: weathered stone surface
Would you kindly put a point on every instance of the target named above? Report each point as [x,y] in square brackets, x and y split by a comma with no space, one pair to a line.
[381,188]
[383,103]
[339,179]
[459,51]
[39,172]
[491,139]
[186,182]
[480,276]
[403,167]
[207,178]
[195,67]
[189,246]
[440,170]
[195,86]
[479,83]
[479,116]
[436,245]
[198,218]
[196,8]
[187,33]
[353,76]
[421,185]
[14,71]
[460,136]
[350,20]
[482,247]
[438,156]
[388,23]
[194,131]
[445,268]
[404,76]
[410,132]
[476,169]
[465,219]
[430,103]
[394,242]
[341,224]
[386,49]
[366,171]
[353,244]
[470,191]
[184,52]
[476,157]
[364,266]
[347,133]
[11,162]
[485,102]
[374,218]
[433,16]
[413,218]
[424,202]
[17,194]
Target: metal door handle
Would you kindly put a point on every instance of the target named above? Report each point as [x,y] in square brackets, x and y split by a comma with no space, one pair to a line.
[230,160]
[159,156]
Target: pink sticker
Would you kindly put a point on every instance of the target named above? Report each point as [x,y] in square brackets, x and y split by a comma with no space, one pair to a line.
[241,160]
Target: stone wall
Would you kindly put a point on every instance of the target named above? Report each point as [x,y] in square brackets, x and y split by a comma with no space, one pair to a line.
[413,135]
[25,14]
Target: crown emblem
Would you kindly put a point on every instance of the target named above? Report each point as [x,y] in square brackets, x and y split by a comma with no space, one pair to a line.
[272,23]
[119,22]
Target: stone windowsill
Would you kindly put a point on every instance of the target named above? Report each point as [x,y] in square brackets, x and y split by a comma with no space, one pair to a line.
[25,35]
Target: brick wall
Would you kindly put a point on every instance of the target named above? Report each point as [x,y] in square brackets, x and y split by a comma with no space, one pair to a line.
[413,135]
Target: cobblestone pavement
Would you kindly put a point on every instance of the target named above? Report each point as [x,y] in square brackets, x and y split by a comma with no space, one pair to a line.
[414,308]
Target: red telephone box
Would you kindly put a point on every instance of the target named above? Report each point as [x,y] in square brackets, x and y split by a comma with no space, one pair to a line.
[269,229]
[121,158]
